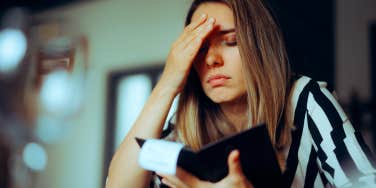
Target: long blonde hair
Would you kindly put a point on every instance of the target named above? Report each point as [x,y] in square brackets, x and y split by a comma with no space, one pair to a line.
[267,75]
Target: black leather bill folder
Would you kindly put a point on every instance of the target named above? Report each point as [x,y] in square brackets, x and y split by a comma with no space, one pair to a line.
[257,157]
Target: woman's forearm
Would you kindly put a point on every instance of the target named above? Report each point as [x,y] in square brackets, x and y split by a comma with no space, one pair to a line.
[124,170]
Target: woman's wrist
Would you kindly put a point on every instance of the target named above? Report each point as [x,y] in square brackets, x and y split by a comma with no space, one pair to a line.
[165,90]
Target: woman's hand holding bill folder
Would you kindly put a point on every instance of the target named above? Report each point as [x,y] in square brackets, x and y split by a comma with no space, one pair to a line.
[253,160]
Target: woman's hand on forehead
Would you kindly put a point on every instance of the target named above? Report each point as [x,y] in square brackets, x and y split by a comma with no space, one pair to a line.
[183,52]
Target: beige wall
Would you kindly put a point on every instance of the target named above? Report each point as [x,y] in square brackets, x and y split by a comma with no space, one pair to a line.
[121,33]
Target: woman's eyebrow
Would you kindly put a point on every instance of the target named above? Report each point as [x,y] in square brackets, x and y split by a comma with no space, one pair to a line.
[225,31]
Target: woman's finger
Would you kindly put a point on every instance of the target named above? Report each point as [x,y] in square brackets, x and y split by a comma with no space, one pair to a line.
[235,177]
[191,27]
[199,34]
[173,180]
[234,164]
[194,43]
[168,183]
[183,179]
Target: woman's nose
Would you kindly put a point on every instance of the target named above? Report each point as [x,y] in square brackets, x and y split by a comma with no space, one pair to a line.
[213,57]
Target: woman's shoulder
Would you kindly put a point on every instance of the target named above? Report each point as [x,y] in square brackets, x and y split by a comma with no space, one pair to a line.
[309,94]
[304,86]
[300,82]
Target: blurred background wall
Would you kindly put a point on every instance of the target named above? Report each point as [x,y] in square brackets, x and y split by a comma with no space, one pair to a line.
[122,34]
[129,34]
[353,53]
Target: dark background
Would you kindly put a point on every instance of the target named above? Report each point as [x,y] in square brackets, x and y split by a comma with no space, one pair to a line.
[34,5]
[308,28]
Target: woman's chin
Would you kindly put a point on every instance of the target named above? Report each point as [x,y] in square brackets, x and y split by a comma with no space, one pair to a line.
[227,97]
[221,98]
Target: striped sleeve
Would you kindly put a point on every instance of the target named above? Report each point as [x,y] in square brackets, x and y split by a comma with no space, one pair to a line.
[343,157]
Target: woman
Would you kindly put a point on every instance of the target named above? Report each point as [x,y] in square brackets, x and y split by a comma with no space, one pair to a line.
[230,67]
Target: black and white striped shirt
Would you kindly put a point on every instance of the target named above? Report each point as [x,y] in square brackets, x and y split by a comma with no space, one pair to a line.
[325,150]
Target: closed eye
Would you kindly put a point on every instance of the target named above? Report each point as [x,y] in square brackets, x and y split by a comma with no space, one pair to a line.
[230,40]
[231,43]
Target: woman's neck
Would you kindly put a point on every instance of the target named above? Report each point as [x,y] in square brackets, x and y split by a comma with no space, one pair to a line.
[236,112]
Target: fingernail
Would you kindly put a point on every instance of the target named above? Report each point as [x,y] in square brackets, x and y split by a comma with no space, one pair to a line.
[236,152]
[211,20]
[203,15]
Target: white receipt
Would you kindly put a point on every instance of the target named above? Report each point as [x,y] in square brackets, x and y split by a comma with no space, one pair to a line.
[160,156]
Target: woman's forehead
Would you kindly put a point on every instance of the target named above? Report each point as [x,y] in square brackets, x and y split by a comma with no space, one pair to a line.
[221,12]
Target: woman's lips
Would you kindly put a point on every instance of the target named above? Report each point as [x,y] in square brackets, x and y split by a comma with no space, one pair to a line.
[217,80]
